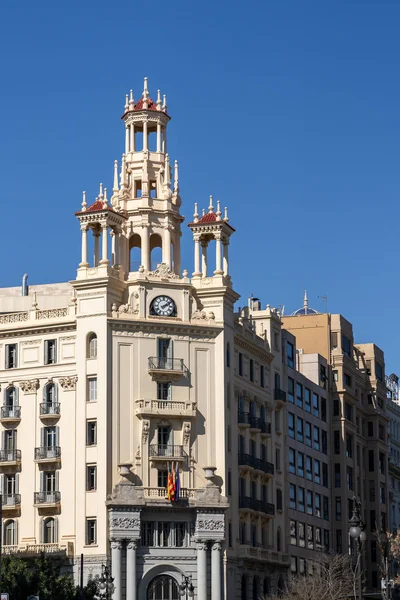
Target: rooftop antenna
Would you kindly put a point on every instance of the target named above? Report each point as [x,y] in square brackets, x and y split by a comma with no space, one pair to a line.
[325,301]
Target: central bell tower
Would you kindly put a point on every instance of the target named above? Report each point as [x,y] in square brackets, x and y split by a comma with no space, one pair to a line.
[146,194]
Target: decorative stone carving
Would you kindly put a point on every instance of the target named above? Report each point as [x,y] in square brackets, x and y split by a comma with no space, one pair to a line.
[163,272]
[186,433]
[116,544]
[201,315]
[216,546]
[68,383]
[202,545]
[125,493]
[145,431]
[125,308]
[124,523]
[29,386]
[210,525]
[132,545]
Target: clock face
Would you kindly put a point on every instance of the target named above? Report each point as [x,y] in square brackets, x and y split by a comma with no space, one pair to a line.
[163,306]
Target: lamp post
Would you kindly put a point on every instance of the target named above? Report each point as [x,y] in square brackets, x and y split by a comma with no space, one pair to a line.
[186,587]
[106,586]
[357,532]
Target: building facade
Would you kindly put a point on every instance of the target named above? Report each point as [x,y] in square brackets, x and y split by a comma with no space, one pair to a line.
[133,371]
[393,413]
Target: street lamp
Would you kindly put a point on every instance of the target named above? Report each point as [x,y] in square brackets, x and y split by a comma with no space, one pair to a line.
[357,532]
[186,587]
[106,585]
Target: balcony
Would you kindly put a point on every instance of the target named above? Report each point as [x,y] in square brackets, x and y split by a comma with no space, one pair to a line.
[245,419]
[159,494]
[49,411]
[280,397]
[264,555]
[10,458]
[167,452]
[247,460]
[11,502]
[150,408]
[166,369]
[265,427]
[47,454]
[36,549]
[257,505]
[10,414]
[47,499]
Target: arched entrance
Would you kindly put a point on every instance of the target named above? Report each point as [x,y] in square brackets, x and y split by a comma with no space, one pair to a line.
[163,587]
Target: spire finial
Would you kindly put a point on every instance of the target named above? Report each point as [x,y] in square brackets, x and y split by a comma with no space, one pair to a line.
[305,300]
[195,214]
[167,170]
[115,186]
[164,105]
[158,99]
[145,93]
[126,102]
[176,177]
[210,207]
[131,101]
[105,201]
[226,218]
[203,212]
[101,192]
[123,171]
[218,213]
[84,202]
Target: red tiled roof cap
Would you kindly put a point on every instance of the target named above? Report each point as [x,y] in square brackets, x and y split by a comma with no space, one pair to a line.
[209,217]
[150,105]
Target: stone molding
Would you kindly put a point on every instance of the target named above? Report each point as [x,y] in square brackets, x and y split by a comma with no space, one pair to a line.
[30,386]
[68,383]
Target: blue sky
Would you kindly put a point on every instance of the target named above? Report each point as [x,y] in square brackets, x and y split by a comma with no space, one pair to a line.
[286,111]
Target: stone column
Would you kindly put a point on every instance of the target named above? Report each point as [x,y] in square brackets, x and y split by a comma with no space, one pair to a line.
[131,589]
[104,250]
[204,246]
[197,271]
[216,571]
[127,139]
[96,249]
[177,254]
[132,143]
[218,270]
[84,261]
[112,235]
[116,551]
[145,140]
[145,248]
[158,137]
[167,247]
[226,260]
[201,571]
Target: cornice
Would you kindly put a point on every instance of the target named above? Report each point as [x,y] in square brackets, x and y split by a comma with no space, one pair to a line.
[40,329]
[122,327]
[253,348]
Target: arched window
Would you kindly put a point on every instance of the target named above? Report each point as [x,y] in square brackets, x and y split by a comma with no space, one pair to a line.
[267,585]
[49,531]
[11,397]
[243,595]
[155,251]
[50,395]
[135,252]
[278,539]
[163,587]
[279,502]
[10,533]
[92,345]
[256,588]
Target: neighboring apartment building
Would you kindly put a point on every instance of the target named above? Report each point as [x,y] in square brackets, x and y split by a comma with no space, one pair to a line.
[357,399]
[393,413]
[132,370]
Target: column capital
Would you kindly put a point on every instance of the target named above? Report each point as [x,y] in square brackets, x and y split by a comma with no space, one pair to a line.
[216,546]
[202,544]
[116,544]
[132,544]
[84,227]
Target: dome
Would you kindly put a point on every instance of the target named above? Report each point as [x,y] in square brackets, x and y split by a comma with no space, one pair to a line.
[305,309]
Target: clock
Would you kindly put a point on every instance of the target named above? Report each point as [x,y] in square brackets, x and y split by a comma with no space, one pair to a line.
[163,306]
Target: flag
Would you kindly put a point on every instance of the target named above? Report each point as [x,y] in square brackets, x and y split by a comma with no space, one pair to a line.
[177,482]
[173,480]
[171,486]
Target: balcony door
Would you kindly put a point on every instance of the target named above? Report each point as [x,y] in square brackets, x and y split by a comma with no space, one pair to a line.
[49,437]
[165,353]
[10,442]
[165,441]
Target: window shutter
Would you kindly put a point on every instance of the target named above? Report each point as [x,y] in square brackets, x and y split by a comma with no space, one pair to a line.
[3,440]
[14,439]
[42,530]
[57,481]
[41,481]
[55,540]
[169,391]
[171,436]
[46,352]
[7,356]
[16,395]
[45,393]
[170,351]
[57,436]
[56,394]
[2,483]
[41,437]
[55,351]
[15,540]
[16,355]
[17,483]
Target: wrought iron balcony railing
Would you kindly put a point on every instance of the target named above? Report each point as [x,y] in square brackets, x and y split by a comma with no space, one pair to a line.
[10,455]
[47,497]
[47,453]
[47,408]
[167,451]
[10,412]
[279,395]
[256,463]
[165,364]
[10,500]
[257,505]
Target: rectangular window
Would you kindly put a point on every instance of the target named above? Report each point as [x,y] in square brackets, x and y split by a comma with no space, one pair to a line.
[325,507]
[382,495]
[371,490]
[348,412]
[310,503]
[92,389]
[292,496]
[290,354]
[317,505]
[310,537]
[307,400]
[370,429]
[373,551]
[293,532]
[336,407]
[346,345]
[229,482]
[349,445]
[347,379]
[180,534]
[316,438]
[337,475]
[371,461]
[91,433]
[290,390]
[262,382]
[300,499]
[349,478]
[378,371]
[299,395]
[309,472]
[91,531]
[339,541]
[163,534]
[162,478]
[317,471]
[301,535]
[293,564]
[382,460]
[324,441]
[240,363]
[300,464]
[251,369]
[164,390]
[315,404]
[381,432]
[323,409]
[308,434]
[50,353]
[326,540]
[336,442]
[147,538]
[300,430]
[11,356]
[292,461]
[325,478]
[91,478]
[291,428]
[338,508]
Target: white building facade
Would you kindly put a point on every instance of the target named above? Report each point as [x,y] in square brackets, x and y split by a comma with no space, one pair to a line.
[132,369]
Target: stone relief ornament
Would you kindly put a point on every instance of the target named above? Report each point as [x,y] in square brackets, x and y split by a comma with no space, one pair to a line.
[201,315]
[186,433]
[145,431]
[211,525]
[163,272]
[29,386]
[125,308]
[68,383]
[124,523]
